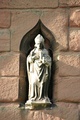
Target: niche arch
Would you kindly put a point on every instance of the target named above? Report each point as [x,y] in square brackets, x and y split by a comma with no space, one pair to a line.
[27,44]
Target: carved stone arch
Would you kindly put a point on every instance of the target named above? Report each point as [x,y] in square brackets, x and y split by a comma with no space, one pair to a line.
[27,44]
[28,39]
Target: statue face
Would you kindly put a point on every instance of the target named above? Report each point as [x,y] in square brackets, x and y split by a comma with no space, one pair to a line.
[38,45]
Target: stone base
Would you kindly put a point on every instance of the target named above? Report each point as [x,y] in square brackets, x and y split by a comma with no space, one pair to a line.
[37,104]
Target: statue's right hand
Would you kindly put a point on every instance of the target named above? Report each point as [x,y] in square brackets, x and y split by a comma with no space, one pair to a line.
[29,59]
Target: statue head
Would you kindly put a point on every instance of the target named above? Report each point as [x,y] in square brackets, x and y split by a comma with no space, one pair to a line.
[39,41]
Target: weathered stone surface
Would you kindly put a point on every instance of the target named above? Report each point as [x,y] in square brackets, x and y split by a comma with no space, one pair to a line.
[65,3]
[70,58]
[79,110]
[74,40]
[69,64]
[55,20]
[9,89]
[5,19]
[13,64]
[67,70]
[13,89]
[4,40]
[22,22]
[44,115]
[9,64]
[28,4]
[62,111]
[12,112]
[23,90]
[75,17]
[23,66]
[69,111]
[68,89]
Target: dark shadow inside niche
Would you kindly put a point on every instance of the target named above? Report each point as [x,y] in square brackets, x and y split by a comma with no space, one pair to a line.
[27,44]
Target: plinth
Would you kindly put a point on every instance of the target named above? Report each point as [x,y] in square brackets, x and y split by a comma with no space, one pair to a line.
[39,104]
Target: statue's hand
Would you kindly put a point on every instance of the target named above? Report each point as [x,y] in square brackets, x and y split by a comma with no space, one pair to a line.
[39,80]
[46,76]
[30,59]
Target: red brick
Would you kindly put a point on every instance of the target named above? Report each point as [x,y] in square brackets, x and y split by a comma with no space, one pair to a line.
[9,64]
[65,3]
[68,89]
[5,19]
[28,4]
[74,40]
[9,88]
[4,40]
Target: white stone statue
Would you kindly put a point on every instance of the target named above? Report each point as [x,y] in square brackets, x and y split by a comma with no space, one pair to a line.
[39,71]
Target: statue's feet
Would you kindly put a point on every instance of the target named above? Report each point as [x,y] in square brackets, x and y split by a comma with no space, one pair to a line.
[40,98]
[33,99]
[47,99]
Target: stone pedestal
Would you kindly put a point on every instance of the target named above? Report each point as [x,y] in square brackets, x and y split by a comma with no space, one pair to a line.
[41,104]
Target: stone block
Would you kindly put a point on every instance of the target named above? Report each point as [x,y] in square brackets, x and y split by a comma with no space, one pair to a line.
[12,112]
[9,111]
[23,21]
[66,3]
[9,64]
[28,4]
[4,40]
[69,111]
[68,89]
[68,70]
[75,17]
[5,19]
[13,64]
[13,89]
[56,21]
[74,40]
[62,111]
[69,64]
[70,59]
[9,89]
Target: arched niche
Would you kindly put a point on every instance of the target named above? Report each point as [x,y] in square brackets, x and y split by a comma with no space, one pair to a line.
[27,44]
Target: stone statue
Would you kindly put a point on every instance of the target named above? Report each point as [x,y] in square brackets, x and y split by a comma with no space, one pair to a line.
[39,72]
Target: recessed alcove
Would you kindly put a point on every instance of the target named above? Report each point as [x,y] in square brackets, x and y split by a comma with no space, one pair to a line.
[27,44]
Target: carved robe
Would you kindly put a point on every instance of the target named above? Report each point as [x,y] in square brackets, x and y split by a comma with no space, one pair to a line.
[39,70]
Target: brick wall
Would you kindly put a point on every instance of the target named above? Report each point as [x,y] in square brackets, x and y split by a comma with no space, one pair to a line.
[62,18]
